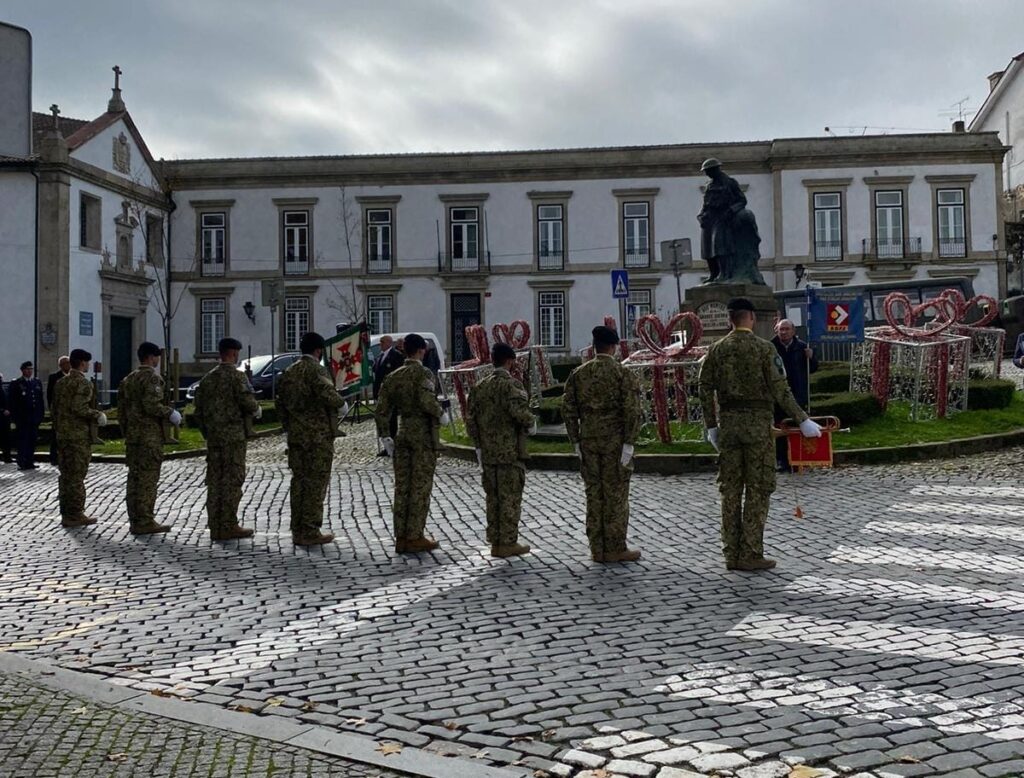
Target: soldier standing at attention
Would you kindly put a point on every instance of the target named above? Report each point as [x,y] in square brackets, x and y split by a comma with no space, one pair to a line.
[746,375]
[601,409]
[409,393]
[142,412]
[224,402]
[309,406]
[73,414]
[498,420]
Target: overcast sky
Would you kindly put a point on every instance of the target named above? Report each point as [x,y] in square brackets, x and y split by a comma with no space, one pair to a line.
[208,78]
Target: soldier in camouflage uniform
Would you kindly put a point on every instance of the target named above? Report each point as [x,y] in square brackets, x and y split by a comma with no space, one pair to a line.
[224,401]
[73,413]
[409,393]
[309,406]
[601,409]
[142,413]
[746,375]
[498,421]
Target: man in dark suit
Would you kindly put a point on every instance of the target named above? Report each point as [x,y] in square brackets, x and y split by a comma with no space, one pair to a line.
[800,361]
[1018,352]
[5,425]
[64,367]
[387,363]
[26,401]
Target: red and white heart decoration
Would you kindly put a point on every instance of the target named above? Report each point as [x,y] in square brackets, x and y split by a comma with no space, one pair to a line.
[657,337]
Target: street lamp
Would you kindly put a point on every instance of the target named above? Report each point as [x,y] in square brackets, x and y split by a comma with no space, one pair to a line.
[250,311]
[799,271]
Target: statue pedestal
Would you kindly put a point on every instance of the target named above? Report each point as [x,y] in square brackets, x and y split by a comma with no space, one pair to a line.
[709,301]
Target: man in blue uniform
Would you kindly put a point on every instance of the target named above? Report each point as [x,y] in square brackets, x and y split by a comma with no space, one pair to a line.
[26,403]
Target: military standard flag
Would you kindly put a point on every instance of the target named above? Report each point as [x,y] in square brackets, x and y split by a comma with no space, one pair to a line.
[347,356]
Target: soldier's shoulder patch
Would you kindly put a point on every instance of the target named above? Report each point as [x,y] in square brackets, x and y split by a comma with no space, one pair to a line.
[777,361]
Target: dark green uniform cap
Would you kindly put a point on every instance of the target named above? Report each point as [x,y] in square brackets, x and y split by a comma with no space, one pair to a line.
[740,304]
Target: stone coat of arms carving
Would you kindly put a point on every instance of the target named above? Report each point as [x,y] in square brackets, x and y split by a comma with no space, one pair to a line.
[122,154]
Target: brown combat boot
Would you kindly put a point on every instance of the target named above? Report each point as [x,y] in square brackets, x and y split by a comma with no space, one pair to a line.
[320,539]
[149,528]
[78,521]
[751,564]
[415,545]
[515,549]
[233,532]
[626,555]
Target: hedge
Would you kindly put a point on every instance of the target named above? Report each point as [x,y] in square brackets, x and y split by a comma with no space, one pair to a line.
[550,411]
[560,370]
[852,408]
[989,393]
[831,381]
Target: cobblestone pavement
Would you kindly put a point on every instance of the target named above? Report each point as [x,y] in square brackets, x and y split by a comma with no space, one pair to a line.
[890,641]
[50,733]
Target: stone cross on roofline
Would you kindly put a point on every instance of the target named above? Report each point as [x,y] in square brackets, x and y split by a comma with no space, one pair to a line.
[117,76]
[55,110]
[116,104]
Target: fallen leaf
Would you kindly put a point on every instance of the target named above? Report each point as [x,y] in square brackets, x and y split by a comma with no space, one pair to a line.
[80,711]
[355,722]
[541,774]
[160,693]
[803,771]
[117,757]
[308,706]
[522,739]
[451,725]
[241,708]
[390,748]
[275,702]
[907,759]
[481,754]
[547,734]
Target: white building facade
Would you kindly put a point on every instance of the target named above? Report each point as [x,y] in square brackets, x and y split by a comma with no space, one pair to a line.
[1003,113]
[435,242]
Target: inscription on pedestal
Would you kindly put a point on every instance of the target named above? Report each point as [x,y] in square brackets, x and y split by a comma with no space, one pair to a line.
[714,316]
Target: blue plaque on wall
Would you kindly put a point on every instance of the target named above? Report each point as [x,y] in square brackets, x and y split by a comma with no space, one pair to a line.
[85,323]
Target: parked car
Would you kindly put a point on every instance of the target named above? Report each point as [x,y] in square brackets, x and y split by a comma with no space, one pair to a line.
[263,368]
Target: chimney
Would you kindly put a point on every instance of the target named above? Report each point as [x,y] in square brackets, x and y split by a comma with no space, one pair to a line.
[993,79]
[958,126]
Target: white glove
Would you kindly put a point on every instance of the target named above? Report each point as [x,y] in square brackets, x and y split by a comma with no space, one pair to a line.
[102,420]
[627,454]
[175,418]
[480,458]
[535,428]
[389,445]
[259,413]
[578,452]
[810,429]
[344,409]
[446,419]
[712,435]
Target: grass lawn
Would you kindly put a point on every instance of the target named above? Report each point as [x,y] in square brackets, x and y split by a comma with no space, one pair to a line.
[892,429]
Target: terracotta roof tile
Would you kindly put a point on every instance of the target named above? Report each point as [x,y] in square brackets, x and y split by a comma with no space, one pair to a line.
[42,122]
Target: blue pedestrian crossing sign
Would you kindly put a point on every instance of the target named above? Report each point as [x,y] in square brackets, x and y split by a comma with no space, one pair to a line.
[620,284]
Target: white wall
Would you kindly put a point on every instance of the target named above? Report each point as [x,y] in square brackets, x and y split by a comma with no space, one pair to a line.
[98,152]
[1007,118]
[17,266]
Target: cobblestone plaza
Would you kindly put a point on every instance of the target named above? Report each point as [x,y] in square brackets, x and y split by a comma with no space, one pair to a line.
[889,642]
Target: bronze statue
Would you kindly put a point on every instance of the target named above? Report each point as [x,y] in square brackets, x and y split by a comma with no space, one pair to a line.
[729,240]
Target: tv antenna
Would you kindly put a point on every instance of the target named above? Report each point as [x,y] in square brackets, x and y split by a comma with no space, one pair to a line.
[957,110]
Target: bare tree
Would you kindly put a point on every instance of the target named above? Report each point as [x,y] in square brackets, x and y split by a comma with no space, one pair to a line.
[349,305]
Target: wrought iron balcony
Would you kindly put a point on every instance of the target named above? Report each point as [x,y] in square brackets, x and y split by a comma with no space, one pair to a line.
[828,249]
[952,247]
[211,267]
[550,260]
[892,248]
[450,264]
[378,264]
[637,258]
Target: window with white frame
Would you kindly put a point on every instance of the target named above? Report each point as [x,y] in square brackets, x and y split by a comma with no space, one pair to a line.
[296,321]
[465,236]
[378,240]
[636,234]
[211,323]
[296,242]
[551,310]
[828,229]
[213,243]
[889,223]
[952,224]
[638,304]
[380,313]
[550,227]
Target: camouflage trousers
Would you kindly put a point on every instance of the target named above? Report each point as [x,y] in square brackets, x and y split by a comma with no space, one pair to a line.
[144,459]
[503,487]
[414,481]
[310,463]
[225,474]
[746,480]
[606,483]
[73,461]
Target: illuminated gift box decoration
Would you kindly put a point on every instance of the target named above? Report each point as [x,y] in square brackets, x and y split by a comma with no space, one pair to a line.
[459,379]
[986,342]
[926,367]
[532,368]
[668,372]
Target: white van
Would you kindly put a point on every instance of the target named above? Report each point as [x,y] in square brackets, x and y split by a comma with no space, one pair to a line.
[432,342]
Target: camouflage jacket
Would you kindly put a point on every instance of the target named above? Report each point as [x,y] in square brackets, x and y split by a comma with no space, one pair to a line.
[140,406]
[602,401]
[74,408]
[224,402]
[745,373]
[499,418]
[308,403]
[409,392]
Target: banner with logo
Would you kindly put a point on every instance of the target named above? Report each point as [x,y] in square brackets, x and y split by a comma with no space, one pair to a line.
[347,356]
[834,316]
